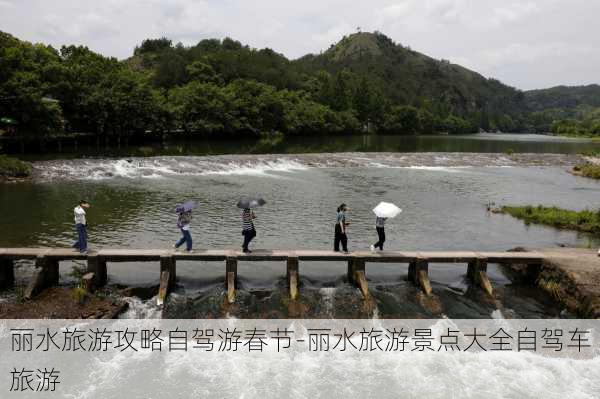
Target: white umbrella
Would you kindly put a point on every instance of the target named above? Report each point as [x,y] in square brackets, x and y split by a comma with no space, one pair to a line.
[386,210]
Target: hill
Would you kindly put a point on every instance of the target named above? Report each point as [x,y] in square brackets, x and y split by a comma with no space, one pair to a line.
[569,111]
[409,77]
[222,88]
[564,97]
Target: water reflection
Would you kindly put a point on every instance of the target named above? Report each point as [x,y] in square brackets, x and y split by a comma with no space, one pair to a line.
[482,143]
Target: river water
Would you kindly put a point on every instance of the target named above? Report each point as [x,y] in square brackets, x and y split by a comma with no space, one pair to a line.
[442,184]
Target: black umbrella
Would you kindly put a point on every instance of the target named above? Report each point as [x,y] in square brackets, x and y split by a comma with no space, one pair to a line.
[250,202]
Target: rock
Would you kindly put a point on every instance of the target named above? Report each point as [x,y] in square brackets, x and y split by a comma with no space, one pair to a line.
[143,293]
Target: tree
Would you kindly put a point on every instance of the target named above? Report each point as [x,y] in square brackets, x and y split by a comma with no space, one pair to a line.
[202,72]
[402,120]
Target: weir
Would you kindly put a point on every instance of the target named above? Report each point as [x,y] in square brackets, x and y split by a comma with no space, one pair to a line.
[47,262]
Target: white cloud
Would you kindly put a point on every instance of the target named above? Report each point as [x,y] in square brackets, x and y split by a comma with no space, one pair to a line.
[530,43]
[332,35]
[513,12]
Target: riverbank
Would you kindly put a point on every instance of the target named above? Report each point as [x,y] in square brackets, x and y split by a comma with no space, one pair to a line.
[14,169]
[62,302]
[587,221]
[591,168]
[571,276]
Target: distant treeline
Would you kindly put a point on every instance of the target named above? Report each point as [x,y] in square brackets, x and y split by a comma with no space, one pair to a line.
[221,88]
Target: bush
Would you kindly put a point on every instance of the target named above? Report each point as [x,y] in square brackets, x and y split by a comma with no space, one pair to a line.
[588,170]
[586,220]
[12,167]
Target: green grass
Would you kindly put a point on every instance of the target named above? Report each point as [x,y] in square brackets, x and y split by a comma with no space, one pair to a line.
[587,221]
[12,167]
[588,170]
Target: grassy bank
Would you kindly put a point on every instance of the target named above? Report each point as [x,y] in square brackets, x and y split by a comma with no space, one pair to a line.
[587,170]
[13,168]
[587,221]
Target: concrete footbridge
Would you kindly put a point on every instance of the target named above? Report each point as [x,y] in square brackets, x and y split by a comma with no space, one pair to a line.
[47,261]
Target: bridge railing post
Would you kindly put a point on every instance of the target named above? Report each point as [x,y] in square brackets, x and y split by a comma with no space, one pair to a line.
[7,273]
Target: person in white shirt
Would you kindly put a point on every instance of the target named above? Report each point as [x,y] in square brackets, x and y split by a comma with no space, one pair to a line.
[80,226]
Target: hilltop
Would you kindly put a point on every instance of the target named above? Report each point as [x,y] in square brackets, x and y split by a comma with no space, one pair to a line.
[409,77]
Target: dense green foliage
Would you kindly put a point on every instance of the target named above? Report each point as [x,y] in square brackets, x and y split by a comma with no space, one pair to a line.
[12,167]
[222,88]
[588,221]
[590,170]
[567,111]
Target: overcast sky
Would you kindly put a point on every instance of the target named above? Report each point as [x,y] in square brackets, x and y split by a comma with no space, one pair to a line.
[527,44]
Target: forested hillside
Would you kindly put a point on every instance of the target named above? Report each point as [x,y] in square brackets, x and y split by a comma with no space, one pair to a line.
[573,111]
[221,88]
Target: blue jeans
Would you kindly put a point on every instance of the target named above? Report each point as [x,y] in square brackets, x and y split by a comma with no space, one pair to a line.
[81,243]
[187,238]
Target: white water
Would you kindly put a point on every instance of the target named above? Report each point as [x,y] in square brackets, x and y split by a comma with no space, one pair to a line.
[276,165]
[101,169]
[140,309]
[297,373]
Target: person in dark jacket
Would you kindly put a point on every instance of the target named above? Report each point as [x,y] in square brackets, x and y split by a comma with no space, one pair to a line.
[340,229]
[184,219]
[248,230]
[380,227]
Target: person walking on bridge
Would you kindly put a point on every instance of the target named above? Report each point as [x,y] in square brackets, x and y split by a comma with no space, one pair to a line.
[380,227]
[248,230]
[81,226]
[341,226]
[383,211]
[246,204]
[184,219]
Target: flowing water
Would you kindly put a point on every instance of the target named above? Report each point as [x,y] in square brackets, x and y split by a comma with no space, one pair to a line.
[443,195]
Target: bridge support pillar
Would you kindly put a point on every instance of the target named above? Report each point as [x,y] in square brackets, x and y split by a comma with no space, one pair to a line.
[45,275]
[7,274]
[477,274]
[231,277]
[293,277]
[167,278]
[97,265]
[351,271]
[412,275]
[418,273]
[52,272]
[356,275]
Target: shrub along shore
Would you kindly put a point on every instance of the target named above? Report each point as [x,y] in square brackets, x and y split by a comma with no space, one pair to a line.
[12,168]
[589,169]
[586,220]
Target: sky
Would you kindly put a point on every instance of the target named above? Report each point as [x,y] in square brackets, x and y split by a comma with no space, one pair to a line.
[526,44]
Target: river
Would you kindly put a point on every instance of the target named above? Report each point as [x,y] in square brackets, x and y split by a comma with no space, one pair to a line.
[442,183]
